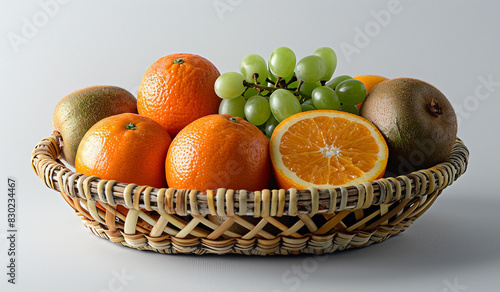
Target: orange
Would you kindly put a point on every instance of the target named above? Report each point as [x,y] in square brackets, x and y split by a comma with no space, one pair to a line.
[78,111]
[178,89]
[369,81]
[219,151]
[128,148]
[326,148]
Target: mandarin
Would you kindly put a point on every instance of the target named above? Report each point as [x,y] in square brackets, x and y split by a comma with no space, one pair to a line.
[178,89]
[219,151]
[75,113]
[128,148]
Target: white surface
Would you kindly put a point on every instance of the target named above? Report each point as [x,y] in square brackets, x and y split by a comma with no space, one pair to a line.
[451,44]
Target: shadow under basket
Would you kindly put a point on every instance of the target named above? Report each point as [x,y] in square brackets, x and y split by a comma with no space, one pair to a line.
[267,222]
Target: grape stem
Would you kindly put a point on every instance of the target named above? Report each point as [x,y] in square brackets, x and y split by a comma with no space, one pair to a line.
[271,89]
[300,84]
[255,76]
[277,81]
[259,87]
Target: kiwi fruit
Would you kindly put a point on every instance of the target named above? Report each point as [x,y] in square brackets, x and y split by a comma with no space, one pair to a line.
[417,121]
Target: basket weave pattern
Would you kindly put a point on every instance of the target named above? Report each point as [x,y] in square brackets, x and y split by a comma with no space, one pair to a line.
[266,222]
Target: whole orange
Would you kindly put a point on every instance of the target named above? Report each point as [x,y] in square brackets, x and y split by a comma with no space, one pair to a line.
[219,151]
[178,89]
[128,148]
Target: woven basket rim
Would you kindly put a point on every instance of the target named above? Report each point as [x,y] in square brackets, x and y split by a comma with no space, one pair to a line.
[46,163]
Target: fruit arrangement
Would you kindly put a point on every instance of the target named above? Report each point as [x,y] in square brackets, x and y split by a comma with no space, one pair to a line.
[281,157]
[194,128]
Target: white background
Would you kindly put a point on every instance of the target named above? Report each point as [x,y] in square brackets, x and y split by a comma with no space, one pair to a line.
[48,51]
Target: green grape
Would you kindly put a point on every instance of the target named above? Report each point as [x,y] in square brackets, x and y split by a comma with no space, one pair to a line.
[271,77]
[307,107]
[335,81]
[250,92]
[253,64]
[323,97]
[328,54]
[229,85]
[257,110]
[308,102]
[271,124]
[283,104]
[282,62]
[351,92]
[307,88]
[234,107]
[262,128]
[350,108]
[310,68]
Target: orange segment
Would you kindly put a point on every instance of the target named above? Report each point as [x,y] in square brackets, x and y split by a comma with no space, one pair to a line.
[326,148]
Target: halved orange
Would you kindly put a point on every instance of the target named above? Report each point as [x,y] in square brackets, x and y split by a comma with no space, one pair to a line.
[327,148]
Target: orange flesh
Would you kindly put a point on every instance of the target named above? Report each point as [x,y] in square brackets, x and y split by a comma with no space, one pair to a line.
[325,150]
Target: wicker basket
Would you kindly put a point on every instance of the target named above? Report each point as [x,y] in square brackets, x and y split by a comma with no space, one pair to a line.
[267,222]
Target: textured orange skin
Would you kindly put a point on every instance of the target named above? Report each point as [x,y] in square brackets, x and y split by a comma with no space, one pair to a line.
[174,95]
[111,151]
[215,152]
[75,113]
[369,81]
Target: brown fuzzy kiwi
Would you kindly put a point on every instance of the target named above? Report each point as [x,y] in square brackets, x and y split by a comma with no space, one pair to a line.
[417,121]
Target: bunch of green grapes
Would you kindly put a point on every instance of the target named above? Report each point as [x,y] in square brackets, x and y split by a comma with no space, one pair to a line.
[267,93]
